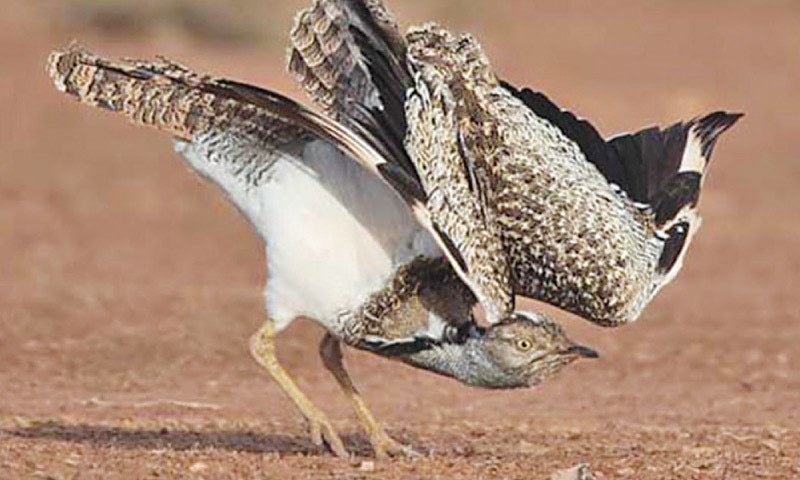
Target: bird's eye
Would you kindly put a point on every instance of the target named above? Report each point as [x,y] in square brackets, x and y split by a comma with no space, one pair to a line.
[524,345]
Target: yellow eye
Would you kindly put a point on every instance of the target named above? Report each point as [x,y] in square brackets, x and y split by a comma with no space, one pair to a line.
[524,345]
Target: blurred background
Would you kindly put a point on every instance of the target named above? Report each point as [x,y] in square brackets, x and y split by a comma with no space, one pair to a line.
[129,287]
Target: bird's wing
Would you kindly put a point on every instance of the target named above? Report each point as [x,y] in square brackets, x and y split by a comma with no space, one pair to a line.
[172,98]
[460,194]
[351,58]
[257,124]
[616,254]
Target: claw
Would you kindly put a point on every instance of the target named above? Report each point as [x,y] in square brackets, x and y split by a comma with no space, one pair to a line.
[386,447]
[322,434]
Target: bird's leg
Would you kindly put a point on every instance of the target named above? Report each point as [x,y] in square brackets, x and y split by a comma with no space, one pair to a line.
[331,353]
[262,347]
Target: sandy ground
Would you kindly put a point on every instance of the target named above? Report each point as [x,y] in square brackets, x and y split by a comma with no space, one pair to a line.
[128,287]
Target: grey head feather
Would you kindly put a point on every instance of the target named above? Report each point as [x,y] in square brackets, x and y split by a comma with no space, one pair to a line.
[466,362]
[519,352]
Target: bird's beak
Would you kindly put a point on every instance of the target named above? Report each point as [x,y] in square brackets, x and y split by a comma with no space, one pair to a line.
[583,351]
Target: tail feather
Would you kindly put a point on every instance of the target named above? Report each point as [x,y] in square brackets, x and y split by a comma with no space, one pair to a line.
[674,204]
[680,192]
[677,240]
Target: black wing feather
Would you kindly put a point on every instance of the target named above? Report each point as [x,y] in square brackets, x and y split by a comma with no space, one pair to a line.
[645,165]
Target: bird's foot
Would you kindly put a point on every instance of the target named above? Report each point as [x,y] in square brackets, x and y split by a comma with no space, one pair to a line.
[323,434]
[385,447]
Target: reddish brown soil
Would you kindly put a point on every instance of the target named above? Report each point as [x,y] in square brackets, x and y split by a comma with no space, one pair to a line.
[128,285]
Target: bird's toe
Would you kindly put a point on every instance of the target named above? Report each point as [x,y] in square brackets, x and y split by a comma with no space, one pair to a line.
[323,434]
[387,447]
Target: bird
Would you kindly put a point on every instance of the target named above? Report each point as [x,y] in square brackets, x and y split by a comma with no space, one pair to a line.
[342,248]
[425,186]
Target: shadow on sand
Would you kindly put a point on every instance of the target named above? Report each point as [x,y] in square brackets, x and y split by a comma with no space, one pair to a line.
[182,440]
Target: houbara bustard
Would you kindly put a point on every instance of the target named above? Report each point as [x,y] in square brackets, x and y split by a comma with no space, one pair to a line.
[427,186]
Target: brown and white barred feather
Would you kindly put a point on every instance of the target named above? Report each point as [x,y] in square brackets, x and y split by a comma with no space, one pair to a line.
[348,56]
[324,55]
[164,95]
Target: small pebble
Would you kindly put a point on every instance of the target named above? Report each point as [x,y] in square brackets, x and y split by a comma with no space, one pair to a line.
[578,472]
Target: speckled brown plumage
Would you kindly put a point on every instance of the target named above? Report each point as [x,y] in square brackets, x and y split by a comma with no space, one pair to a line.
[323,59]
[567,236]
[326,59]
[422,315]
[401,309]
[528,199]
[512,199]
[456,195]
[160,94]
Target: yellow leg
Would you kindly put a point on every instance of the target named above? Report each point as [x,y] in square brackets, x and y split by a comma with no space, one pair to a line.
[262,347]
[331,353]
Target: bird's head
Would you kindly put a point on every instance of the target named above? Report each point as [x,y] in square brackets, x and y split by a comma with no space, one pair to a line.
[528,348]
